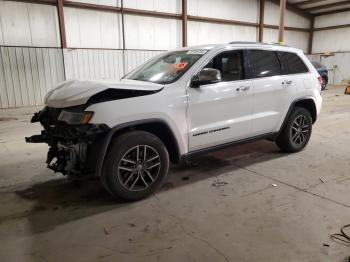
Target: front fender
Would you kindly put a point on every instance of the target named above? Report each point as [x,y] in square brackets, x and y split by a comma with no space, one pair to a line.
[101,152]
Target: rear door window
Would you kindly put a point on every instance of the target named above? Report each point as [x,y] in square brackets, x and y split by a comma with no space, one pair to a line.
[292,63]
[264,63]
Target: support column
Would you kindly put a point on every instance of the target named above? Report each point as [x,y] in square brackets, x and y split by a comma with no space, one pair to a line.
[123,35]
[261,20]
[184,23]
[61,23]
[281,24]
[311,35]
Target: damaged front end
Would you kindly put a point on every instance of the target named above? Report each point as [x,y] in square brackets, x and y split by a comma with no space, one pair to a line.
[72,140]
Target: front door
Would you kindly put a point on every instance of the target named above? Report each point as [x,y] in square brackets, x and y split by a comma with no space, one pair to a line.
[220,113]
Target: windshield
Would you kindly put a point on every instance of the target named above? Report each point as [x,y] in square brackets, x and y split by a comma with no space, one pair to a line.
[167,68]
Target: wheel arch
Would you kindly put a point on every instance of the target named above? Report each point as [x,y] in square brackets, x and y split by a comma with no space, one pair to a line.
[157,127]
[306,102]
[310,105]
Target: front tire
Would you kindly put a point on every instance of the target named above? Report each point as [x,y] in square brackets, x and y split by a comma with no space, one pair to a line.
[296,132]
[136,166]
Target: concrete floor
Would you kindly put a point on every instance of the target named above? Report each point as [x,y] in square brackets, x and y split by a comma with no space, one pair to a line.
[223,208]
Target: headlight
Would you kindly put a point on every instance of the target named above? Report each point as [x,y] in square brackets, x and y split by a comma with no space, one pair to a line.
[75,118]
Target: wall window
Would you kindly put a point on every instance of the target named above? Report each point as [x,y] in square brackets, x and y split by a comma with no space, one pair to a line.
[230,64]
[264,63]
[292,63]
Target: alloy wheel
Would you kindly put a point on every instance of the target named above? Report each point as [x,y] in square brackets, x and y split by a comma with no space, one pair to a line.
[139,168]
[300,130]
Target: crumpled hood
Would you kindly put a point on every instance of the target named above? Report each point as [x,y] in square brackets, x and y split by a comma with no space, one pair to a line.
[75,92]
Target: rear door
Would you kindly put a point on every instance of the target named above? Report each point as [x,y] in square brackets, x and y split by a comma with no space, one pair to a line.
[271,90]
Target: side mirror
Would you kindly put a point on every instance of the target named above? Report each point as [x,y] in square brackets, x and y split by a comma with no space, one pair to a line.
[206,76]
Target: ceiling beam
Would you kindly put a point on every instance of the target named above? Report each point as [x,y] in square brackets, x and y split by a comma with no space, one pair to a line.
[294,9]
[220,21]
[288,28]
[307,2]
[326,6]
[332,27]
[91,6]
[42,2]
[333,12]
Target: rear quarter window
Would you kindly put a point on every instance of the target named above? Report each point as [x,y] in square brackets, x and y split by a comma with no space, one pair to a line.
[292,63]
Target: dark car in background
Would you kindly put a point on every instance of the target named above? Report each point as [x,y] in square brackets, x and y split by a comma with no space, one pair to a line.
[323,71]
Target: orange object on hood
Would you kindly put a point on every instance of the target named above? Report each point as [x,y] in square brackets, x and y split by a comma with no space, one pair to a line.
[181,65]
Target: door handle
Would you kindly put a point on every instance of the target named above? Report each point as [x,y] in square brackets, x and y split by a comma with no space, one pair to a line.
[287,82]
[242,88]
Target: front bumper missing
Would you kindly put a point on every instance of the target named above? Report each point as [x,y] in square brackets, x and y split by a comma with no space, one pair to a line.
[72,147]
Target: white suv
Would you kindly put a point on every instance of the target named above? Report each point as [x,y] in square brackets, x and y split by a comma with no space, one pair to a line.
[179,104]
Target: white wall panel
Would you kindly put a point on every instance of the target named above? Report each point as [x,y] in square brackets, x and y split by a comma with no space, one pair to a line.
[14,22]
[271,35]
[111,35]
[169,6]
[225,9]
[291,38]
[208,33]
[297,39]
[27,74]
[44,26]
[92,29]
[25,24]
[291,19]
[1,33]
[338,66]
[151,33]
[93,64]
[332,20]
[134,58]
[72,27]
[331,40]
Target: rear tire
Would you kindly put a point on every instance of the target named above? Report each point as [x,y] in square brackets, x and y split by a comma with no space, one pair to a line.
[136,166]
[323,84]
[296,132]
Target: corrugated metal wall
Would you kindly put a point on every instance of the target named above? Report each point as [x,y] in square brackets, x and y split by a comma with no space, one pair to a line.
[103,64]
[134,58]
[27,74]
[95,42]
[338,66]
[204,33]
[93,64]
[333,41]
[26,24]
